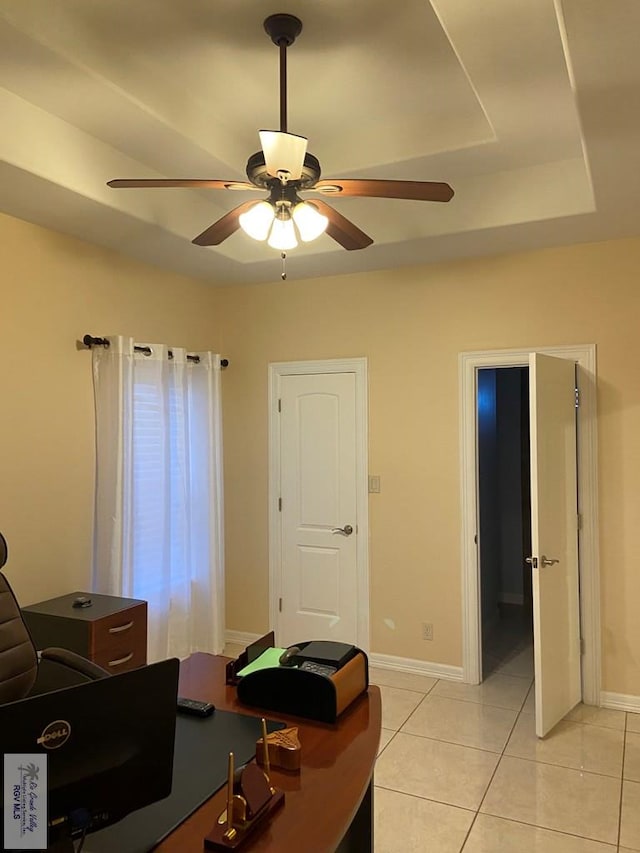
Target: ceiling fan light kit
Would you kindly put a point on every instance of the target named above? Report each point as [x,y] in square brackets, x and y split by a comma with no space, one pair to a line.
[285,168]
[263,219]
[257,221]
[283,234]
[311,223]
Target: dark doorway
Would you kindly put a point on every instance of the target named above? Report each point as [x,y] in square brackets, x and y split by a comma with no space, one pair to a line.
[504,509]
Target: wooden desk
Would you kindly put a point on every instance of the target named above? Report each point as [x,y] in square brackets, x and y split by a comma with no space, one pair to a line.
[328,805]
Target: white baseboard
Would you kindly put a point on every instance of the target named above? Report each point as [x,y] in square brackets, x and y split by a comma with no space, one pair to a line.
[416,667]
[240,638]
[620,701]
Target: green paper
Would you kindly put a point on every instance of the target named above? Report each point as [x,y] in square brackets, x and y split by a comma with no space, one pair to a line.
[269,658]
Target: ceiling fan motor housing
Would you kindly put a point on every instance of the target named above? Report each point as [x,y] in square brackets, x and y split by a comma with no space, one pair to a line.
[259,177]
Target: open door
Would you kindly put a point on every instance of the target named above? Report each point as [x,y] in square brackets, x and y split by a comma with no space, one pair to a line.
[554,539]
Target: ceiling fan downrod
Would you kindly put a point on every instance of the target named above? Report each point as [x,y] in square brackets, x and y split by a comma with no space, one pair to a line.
[283,30]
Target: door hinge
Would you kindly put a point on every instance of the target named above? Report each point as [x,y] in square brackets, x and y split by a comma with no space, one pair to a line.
[279,504]
[579,521]
[577,398]
[280,605]
[279,405]
[582,646]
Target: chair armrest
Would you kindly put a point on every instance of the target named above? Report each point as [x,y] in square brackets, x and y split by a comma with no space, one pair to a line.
[75,662]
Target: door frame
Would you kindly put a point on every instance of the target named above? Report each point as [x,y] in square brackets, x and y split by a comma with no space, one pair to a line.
[277,370]
[587,450]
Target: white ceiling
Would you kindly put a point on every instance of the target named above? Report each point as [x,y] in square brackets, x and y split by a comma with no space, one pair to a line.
[528,108]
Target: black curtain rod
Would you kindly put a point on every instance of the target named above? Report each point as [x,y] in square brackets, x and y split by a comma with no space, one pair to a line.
[90,341]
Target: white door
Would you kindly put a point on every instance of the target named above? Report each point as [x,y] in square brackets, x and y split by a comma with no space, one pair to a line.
[554,538]
[319,524]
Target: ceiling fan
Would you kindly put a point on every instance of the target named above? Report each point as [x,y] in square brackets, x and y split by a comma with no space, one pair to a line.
[285,169]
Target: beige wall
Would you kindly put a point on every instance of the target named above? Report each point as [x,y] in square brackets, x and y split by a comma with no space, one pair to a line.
[53,290]
[411,324]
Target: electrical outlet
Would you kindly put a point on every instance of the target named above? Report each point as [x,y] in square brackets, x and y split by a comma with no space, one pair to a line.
[427,631]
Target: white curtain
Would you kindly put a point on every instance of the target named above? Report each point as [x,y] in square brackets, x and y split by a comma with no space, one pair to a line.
[158,514]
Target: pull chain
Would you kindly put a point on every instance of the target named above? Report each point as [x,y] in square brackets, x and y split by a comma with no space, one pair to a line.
[283,275]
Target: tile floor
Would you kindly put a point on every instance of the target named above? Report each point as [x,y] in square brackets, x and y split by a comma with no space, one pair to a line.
[460,769]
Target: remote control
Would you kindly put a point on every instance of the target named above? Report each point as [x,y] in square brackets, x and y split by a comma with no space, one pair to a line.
[194,707]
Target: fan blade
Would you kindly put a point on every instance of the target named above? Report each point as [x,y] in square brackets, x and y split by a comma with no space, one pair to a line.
[224,227]
[413,190]
[341,229]
[283,152]
[125,183]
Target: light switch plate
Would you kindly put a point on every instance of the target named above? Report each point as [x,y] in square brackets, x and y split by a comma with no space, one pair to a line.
[374,484]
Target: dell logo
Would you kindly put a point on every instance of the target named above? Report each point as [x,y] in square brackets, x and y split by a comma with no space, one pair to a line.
[55,734]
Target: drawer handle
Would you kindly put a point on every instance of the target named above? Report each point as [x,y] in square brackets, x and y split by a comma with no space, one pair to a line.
[120,661]
[120,628]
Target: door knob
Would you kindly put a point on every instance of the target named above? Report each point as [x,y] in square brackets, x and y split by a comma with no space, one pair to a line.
[347,530]
[544,561]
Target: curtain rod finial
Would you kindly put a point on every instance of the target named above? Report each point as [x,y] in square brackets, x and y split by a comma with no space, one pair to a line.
[89,341]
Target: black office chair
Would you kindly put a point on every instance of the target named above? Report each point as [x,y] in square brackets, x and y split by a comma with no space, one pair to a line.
[20,663]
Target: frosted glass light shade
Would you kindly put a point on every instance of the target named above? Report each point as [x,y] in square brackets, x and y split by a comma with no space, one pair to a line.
[256,221]
[283,235]
[311,223]
[283,152]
